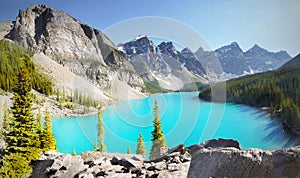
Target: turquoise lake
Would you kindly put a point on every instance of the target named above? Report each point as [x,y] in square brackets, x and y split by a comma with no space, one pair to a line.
[185,119]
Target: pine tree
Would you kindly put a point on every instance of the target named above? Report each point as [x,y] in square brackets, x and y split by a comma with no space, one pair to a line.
[158,140]
[140,147]
[74,152]
[95,146]
[50,143]
[100,127]
[21,136]
[40,130]
[128,151]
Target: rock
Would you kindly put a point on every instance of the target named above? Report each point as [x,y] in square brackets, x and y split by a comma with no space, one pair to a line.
[204,160]
[229,161]
[224,143]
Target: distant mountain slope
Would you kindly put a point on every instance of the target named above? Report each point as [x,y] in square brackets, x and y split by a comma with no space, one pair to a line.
[4,28]
[236,62]
[163,63]
[230,61]
[83,50]
[292,64]
[279,90]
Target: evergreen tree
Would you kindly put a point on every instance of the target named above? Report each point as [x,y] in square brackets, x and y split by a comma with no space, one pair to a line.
[128,150]
[21,138]
[40,130]
[100,128]
[140,147]
[74,152]
[95,146]
[158,140]
[50,142]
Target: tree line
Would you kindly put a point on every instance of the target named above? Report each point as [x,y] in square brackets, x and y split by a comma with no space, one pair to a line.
[24,135]
[12,58]
[278,90]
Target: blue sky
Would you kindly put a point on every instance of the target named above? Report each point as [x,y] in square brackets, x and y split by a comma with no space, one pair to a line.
[272,24]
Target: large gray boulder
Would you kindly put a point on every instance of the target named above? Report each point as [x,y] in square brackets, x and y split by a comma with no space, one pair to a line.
[210,160]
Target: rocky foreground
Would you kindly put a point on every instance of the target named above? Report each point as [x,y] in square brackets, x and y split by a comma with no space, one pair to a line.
[214,158]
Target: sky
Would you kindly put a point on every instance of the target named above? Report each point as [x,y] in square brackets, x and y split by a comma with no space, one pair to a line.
[272,24]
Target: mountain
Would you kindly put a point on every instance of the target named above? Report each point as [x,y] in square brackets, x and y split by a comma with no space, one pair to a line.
[230,60]
[81,49]
[236,62]
[292,64]
[278,91]
[163,63]
[5,28]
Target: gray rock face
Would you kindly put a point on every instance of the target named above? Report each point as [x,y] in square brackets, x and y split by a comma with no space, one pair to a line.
[210,160]
[5,28]
[191,62]
[82,49]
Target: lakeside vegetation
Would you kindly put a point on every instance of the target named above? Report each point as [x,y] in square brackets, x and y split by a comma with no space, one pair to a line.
[13,57]
[153,87]
[278,90]
[25,137]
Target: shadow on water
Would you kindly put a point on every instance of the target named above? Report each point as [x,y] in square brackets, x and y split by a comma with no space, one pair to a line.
[279,135]
[260,115]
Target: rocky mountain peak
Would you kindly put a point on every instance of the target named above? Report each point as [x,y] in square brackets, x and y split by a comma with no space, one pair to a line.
[257,49]
[168,48]
[232,49]
[140,45]
[186,50]
[57,34]
[83,50]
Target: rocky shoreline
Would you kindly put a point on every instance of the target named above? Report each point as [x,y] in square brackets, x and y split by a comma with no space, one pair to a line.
[214,158]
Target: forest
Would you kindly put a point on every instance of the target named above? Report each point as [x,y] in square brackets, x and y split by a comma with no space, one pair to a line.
[13,57]
[277,90]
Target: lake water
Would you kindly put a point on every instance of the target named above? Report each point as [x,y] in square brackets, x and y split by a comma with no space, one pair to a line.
[185,119]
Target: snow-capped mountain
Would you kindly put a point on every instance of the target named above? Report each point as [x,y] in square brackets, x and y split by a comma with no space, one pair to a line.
[171,68]
[236,62]
[230,60]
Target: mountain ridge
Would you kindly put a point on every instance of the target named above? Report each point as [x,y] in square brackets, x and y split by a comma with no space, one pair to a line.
[233,61]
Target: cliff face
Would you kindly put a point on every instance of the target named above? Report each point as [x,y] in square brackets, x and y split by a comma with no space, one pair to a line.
[82,49]
[214,158]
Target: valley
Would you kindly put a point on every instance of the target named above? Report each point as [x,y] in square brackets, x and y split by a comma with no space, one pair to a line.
[66,88]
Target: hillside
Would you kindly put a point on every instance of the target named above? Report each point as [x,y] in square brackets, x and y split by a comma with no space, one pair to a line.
[292,64]
[13,57]
[279,90]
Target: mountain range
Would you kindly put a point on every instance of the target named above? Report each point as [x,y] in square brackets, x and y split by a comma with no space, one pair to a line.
[88,53]
[149,59]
